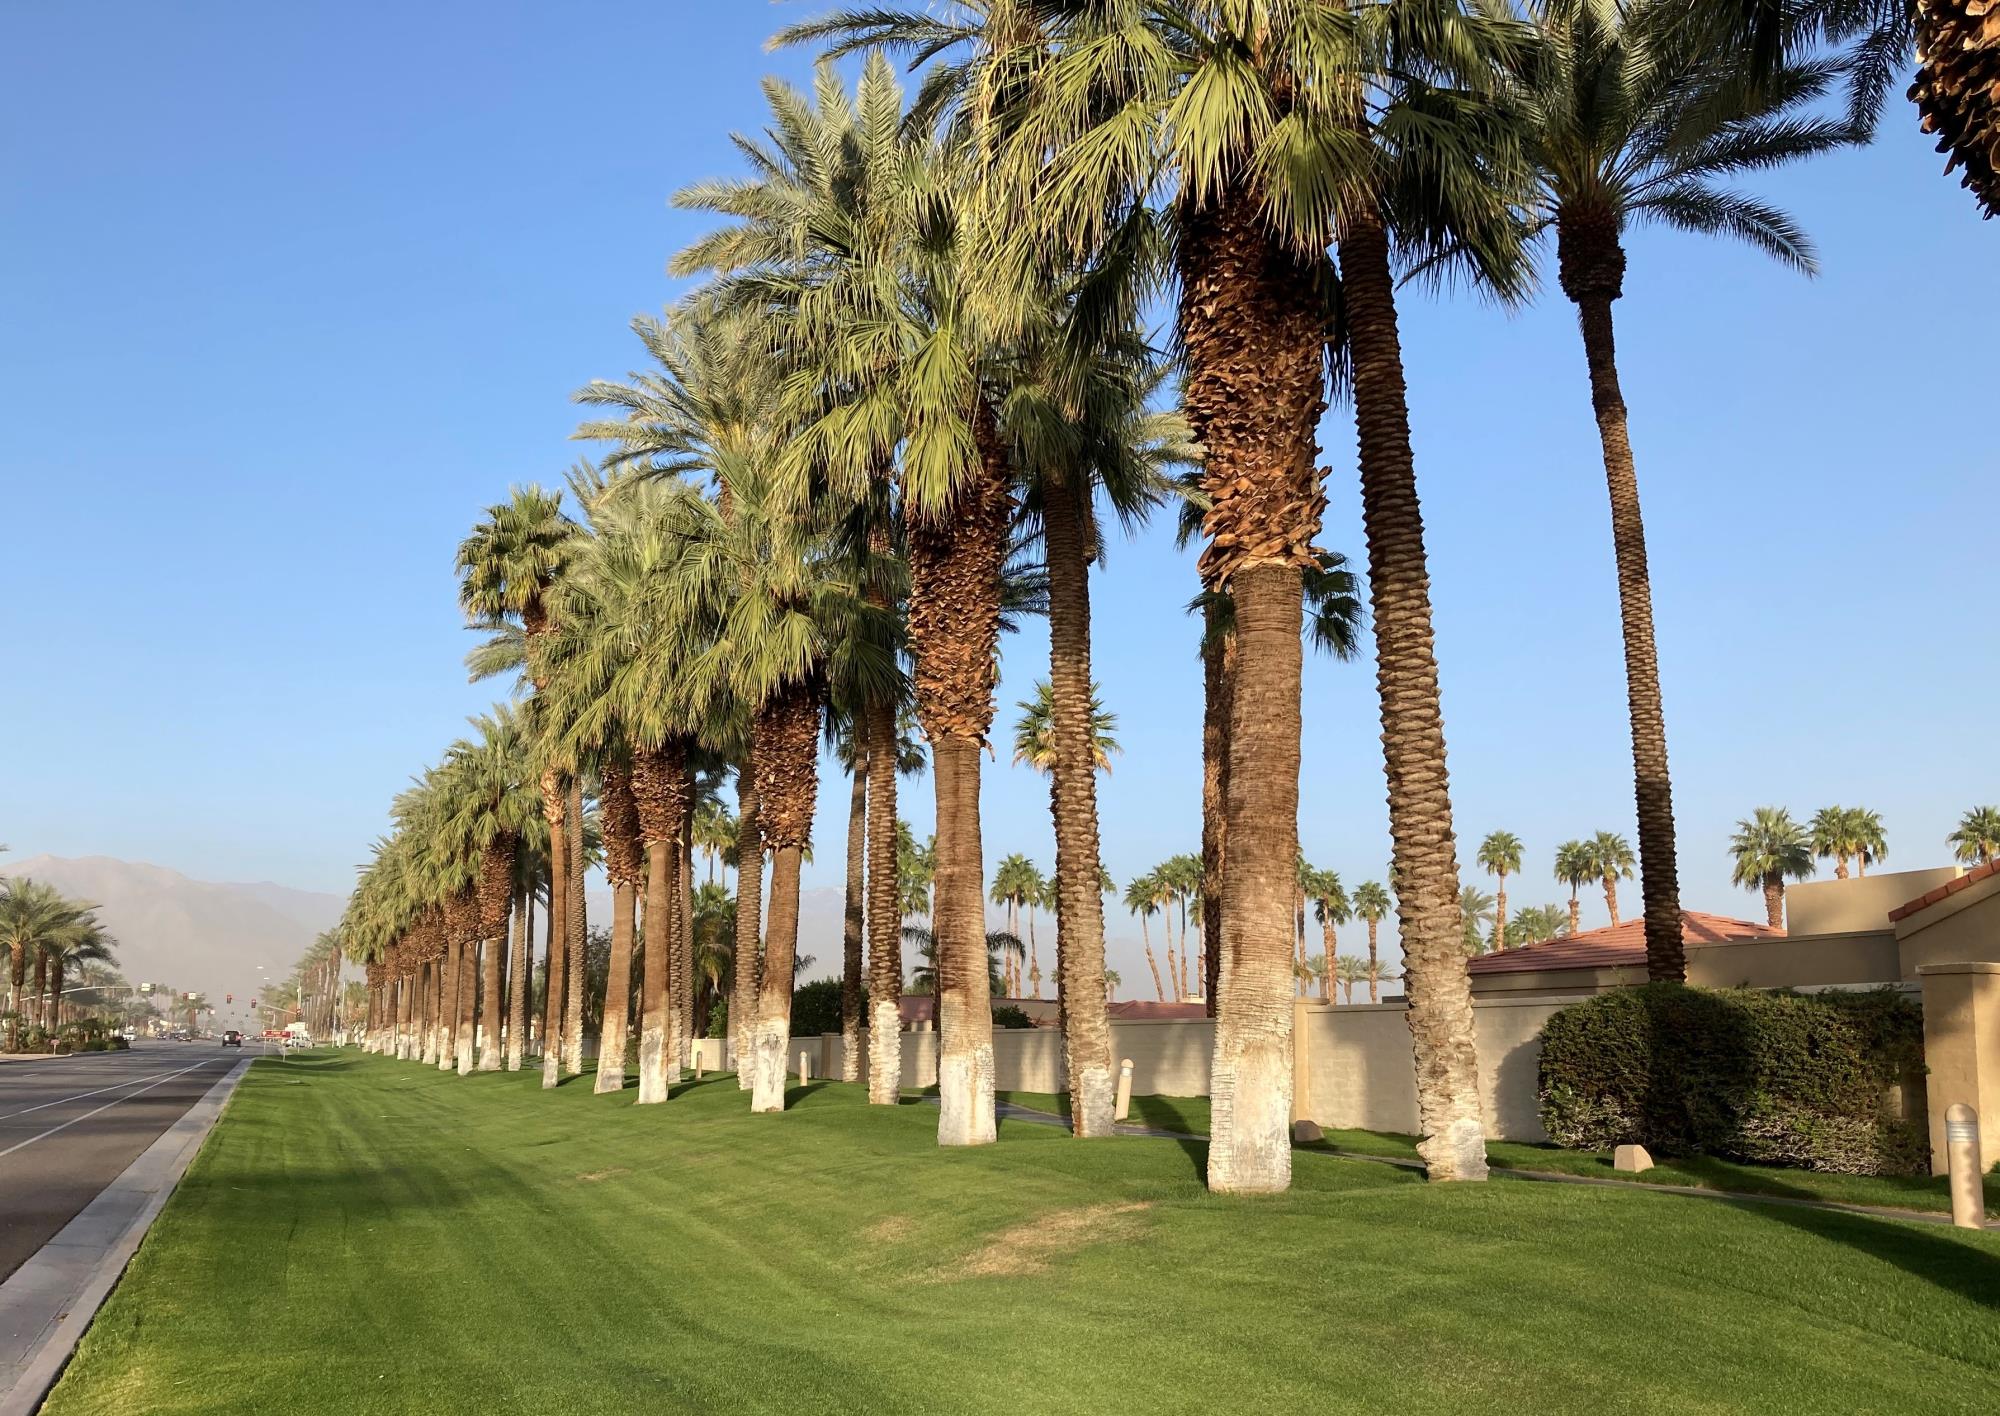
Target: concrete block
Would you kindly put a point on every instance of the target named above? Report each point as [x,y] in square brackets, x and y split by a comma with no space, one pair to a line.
[1632,1159]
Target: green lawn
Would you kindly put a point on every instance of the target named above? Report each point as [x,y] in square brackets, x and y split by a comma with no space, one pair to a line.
[1189,1114]
[361,1235]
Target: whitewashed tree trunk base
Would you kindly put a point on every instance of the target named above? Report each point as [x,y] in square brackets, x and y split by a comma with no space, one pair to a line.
[652,1064]
[965,1098]
[767,1067]
[1250,1104]
[1093,1102]
[850,1050]
[885,1053]
[1457,1153]
[551,1067]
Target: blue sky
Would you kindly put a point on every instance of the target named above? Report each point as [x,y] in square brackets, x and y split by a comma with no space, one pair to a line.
[292,291]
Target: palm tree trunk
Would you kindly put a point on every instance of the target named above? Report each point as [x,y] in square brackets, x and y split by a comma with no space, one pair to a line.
[611,1036]
[454,971]
[1374,967]
[1592,268]
[1500,913]
[406,998]
[1575,912]
[468,1001]
[954,623]
[41,990]
[854,916]
[1610,883]
[747,964]
[1424,853]
[1093,1084]
[681,1015]
[555,809]
[787,756]
[1159,988]
[658,780]
[1774,900]
[1840,867]
[578,934]
[519,971]
[885,914]
[1218,678]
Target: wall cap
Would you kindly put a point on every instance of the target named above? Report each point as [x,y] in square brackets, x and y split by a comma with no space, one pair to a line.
[1968,967]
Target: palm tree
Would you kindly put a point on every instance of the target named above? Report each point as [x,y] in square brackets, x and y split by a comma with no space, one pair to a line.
[1042,894]
[1769,849]
[1142,898]
[1576,869]
[493,808]
[1611,860]
[1846,833]
[1331,907]
[1500,855]
[1315,973]
[1534,923]
[715,832]
[1976,841]
[1956,48]
[70,953]
[1633,114]
[1348,971]
[1034,741]
[506,568]
[1873,839]
[33,917]
[1001,945]
[1015,883]
[1371,903]
[1475,907]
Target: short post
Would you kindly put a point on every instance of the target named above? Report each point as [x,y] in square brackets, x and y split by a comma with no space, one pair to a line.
[1961,1141]
[805,1069]
[1124,1091]
[700,1057]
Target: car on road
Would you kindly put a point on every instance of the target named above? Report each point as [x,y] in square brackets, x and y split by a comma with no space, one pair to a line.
[232,1038]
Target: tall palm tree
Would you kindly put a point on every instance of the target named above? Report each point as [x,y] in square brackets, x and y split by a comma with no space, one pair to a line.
[1576,869]
[493,804]
[1475,908]
[1976,838]
[1532,924]
[1500,856]
[70,953]
[1770,848]
[506,569]
[1348,971]
[1331,907]
[1634,114]
[1015,881]
[1844,833]
[1142,898]
[33,917]
[1611,860]
[1957,87]
[1371,903]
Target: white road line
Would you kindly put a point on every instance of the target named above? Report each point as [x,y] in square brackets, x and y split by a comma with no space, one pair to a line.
[23,1145]
[129,1081]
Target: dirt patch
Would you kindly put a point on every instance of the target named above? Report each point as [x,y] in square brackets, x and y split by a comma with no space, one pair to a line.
[591,1177]
[1028,1248]
[893,1230]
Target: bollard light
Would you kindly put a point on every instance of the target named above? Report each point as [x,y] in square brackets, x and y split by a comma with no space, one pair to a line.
[1124,1108]
[1961,1145]
[805,1070]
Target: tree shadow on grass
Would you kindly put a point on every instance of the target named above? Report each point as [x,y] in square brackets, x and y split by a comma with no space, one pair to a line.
[693,1084]
[796,1094]
[1923,1251]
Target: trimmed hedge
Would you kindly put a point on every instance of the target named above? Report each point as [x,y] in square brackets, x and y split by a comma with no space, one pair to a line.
[1777,1078]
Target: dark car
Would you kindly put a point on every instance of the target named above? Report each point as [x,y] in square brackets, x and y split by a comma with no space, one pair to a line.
[232,1038]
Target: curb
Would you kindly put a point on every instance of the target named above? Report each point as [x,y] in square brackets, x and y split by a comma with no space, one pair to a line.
[57,1292]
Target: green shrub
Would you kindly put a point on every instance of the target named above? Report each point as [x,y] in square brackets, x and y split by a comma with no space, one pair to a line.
[816,1007]
[1008,1016]
[1779,1078]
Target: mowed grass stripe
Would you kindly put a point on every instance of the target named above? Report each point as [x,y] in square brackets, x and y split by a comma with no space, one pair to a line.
[362,1235]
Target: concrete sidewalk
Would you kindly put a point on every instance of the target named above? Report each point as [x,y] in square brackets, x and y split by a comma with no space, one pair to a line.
[48,1303]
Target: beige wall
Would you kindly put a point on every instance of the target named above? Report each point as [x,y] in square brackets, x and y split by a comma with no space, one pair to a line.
[1962,1051]
[1798,962]
[1858,905]
[1960,928]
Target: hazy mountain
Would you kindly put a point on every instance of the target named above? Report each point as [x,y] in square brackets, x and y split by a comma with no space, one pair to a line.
[194,935]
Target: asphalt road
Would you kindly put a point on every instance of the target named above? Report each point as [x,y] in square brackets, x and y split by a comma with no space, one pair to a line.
[70,1125]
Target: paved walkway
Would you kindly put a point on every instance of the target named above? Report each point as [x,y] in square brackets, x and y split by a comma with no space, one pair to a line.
[50,1300]
[1007,1110]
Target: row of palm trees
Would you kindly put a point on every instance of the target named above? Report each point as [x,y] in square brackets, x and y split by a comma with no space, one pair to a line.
[914,385]
[48,940]
[1771,847]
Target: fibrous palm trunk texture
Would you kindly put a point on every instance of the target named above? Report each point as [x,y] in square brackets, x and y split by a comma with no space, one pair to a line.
[1957,90]
[1254,335]
[1424,851]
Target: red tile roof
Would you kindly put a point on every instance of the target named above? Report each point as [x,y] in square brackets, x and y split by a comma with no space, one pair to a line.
[1950,887]
[1615,946]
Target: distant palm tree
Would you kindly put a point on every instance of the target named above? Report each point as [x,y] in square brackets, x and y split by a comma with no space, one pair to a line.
[1000,946]
[1500,855]
[1034,740]
[1575,869]
[1348,971]
[1330,907]
[1534,923]
[1015,883]
[1771,848]
[1475,907]
[1611,860]
[1313,973]
[916,869]
[1371,903]
[1142,898]
[1977,839]
[1845,833]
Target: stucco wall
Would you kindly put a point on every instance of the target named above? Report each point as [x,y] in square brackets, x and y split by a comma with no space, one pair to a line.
[1961,928]
[1857,905]
[1798,961]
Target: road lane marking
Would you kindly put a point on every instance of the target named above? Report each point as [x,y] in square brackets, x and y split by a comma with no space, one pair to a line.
[23,1145]
[129,1081]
